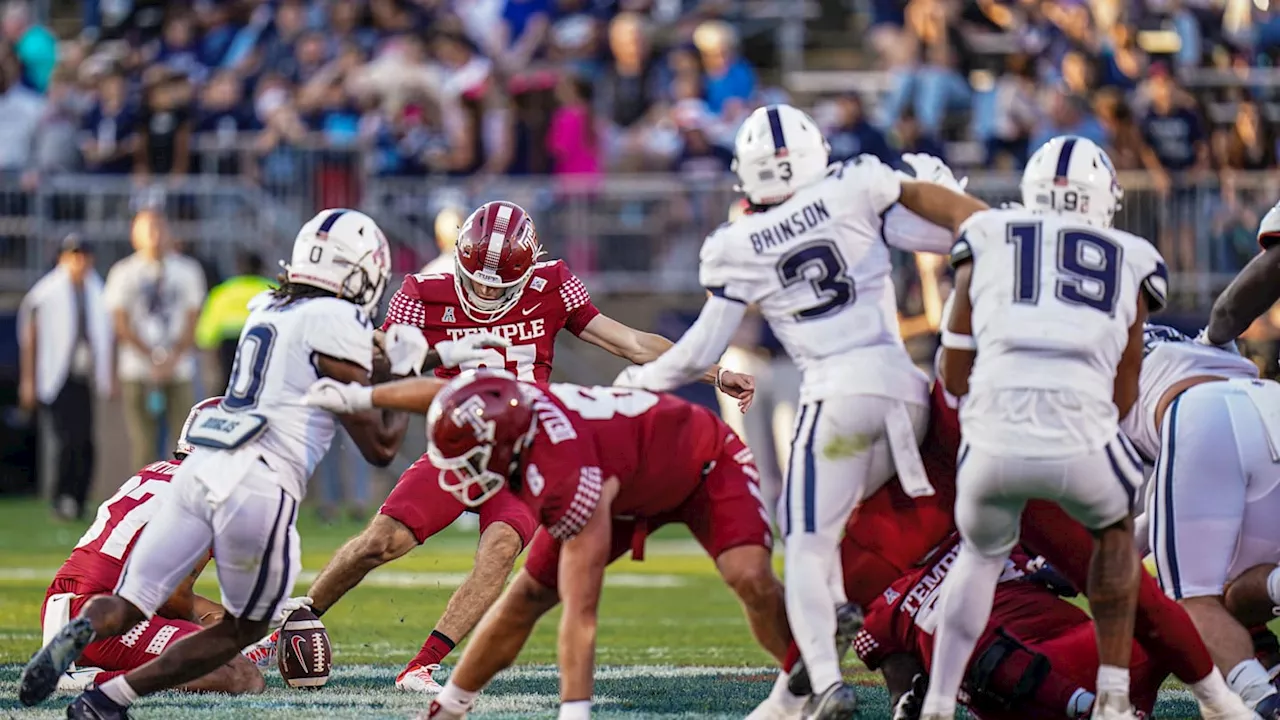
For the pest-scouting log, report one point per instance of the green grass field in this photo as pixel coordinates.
(672, 638)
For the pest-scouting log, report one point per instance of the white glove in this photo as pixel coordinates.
(629, 377)
(931, 169)
(1269, 228)
(289, 606)
(406, 348)
(337, 397)
(469, 348)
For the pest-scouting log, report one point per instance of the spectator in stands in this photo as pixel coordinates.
(699, 158)
(108, 132)
(908, 137)
(934, 87)
(155, 296)
(631, 87)
(222, 126)
(1125, 144)
(729, 82)
(1172, 128)
(447, 223)
(36, 47)
(178, 49)
(165, 125)
(65, 341)
(224, 315)
(289, 23)
(574, 40)
(1249, 144)
(347, 24)
(1067, 115)
(1016, 113)
(852, 135)
(20, 112)
(217, 31)
(55, 140)
(522, 34)
(573, 140)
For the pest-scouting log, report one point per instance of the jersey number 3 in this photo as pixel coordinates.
(819, 263)
(1088, 264)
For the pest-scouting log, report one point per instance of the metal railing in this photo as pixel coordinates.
(622, 234)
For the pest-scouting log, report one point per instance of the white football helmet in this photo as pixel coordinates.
(1071, 174)
(778, 150)
(343, 252)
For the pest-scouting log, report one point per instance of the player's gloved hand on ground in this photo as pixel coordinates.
(338, 397)
(911, 704)
(469, 348)
(406, 349)
(739, 386)
(931, 169)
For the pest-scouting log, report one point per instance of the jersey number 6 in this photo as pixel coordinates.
(820, 264)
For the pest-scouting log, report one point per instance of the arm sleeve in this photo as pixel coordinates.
(348, 336)
(1154, 277)
(579, 310)
(905, 230)
(875, 641)
(405, 309)
(699, 348)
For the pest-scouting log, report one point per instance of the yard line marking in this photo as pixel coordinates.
(399, 579)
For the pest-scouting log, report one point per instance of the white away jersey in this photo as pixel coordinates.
(1053, 299)
(1169, 357)
(274, 368)
(818, 268)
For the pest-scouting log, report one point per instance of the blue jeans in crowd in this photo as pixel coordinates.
(930, 91)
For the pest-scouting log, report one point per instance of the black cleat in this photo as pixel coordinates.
(837, 702)
(849, 620)
(93, 704)
(40, 676)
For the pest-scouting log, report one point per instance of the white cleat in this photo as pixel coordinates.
(263, 653)
(775, 709)
(1230, 707)
(1112, 708)
(417, 679)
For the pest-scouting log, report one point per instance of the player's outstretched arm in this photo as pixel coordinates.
(1250, 294)
(1130, 367)
(940, 206)
(639, 347)
(581, 576)
(378, 433)
(698, 349)
(958, 347)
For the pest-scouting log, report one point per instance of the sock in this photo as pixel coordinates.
(1250, 681)
(119, 691)
(810, 607)
(1212, 691)
(1113, 680)
(783, 697)
(437, 646)
(964, 607)
(1080, 703)
(455, 700)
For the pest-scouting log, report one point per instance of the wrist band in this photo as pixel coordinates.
(719, 371)
(956, 341)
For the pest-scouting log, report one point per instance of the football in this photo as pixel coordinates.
(303, 651)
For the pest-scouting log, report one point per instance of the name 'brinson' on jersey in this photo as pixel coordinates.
(818, 267)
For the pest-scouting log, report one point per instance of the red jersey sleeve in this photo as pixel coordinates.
(578, 308)
(406, 307)
(563, 483)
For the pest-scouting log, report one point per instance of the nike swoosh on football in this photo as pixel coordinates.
(526, 311)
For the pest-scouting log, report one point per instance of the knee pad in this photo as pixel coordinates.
(1007, 672)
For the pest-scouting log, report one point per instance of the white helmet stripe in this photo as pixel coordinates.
(498, 238)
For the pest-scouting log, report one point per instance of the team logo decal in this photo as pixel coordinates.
(537, 284)
(471, 412)
(448, 315)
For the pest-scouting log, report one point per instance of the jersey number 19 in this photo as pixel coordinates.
(1088, 265)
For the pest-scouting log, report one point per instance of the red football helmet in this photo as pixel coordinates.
(494, 258)
(476, 427)
(185, 448)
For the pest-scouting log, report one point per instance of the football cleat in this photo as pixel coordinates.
(849, 619)
(417, 679)
(1110, 708)
(837, 702)
(93, 704)
(263, 653)
(41, 675)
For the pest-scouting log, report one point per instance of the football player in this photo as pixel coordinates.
(1210, 428)
(890, 533)
(600, 468)
(1252, 292)
(1045, 344)
(239, 495)
(498, 286)
(1036, 658)
(813, 255)
(94, 569)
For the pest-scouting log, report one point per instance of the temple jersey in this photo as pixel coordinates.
(818, 267)
(1052, 304)
(1169, 357)
(273, 368)
(657, 446)
(554, 299)
(95, 564)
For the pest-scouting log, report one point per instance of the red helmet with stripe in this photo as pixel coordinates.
(184, 447)
(476, 428)
(494, 258)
